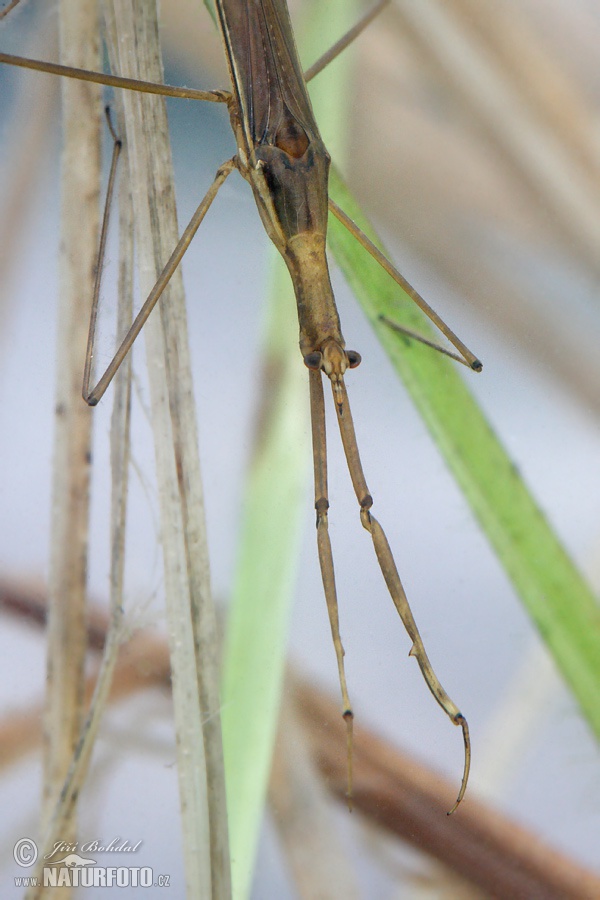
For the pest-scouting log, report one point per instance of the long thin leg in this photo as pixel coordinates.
(7, 9)
(344, 41)
(415, 336)
(466, 357)
(131, 84)
(117, 146)
(92, 397)
(390, 574)
(317, 414)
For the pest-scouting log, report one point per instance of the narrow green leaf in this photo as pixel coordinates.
(209, 4)
(553, 591)
(254, 659)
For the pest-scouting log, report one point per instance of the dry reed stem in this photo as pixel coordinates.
(119, 456)
(67, 640)
(191, 616)
(97, 698)
(70, 503)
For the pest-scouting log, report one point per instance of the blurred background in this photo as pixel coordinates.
(473, 139)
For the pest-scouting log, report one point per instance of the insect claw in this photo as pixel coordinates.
(459, 719)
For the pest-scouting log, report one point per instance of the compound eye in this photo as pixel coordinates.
(354, 358)
(313, 360)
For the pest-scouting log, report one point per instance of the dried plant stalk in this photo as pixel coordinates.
(133, 34)
(79, 240)
(67, 637)
(79, 766)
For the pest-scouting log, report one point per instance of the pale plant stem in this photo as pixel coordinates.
(191, 616)
(70, 503)
(60, 814)
(67, 638)
(79, 765)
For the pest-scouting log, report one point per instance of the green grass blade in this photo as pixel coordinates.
(554, 593)
(211, 9)
(254, 659)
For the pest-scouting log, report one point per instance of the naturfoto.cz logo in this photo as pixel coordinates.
(65, 867)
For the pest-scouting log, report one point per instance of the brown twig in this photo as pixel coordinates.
(391, 788)
(407, 798)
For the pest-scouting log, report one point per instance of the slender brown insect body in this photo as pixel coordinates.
(281, 154)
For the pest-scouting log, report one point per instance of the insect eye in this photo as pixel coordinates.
(354, 358)
(313, 360)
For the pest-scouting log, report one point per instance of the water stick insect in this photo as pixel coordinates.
(282, 156)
